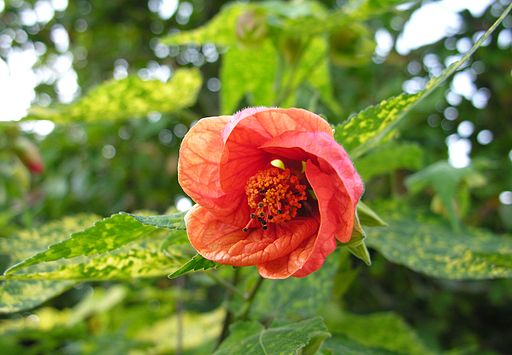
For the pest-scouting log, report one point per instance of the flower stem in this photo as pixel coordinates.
(250, 299)
(230, 317)
(227, 285)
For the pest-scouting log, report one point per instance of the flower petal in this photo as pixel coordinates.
(198, 169)
(336, 216)
(226, 244)
(251, 128)
(336, 219)
(322, 149)
(288, 265)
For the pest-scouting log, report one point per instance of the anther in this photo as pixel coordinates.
(264, 228)
(245, 229)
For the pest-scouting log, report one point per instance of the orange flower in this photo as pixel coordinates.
(273, 189)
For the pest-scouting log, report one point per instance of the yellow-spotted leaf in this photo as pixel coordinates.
(131, 97)
(428, 244)
(20, 295)
(366, 129)
(106, 235)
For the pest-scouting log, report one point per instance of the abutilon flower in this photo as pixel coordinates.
(273, 189)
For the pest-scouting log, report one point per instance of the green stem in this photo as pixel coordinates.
(227, 285)
(250, 299)
(230, 317)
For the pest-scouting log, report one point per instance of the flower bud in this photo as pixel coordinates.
(351, 46)
(251, 27)
(29, 155)
(291, 49)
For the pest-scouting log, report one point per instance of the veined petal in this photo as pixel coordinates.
(324, 151)
(336, 219)
(251, 128)
(288, 265)
(336, 216)
(226, 244)
(198, 169)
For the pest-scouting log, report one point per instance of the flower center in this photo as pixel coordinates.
(274, 196)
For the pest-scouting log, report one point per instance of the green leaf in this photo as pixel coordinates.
(368, 217)
(127, 98)
(366, 129)
(426, 244)
(298, 297)
(138, 259)
(386, 331)
(248, 71)
(352, 11)
(446, 181)
(341, 344)
(194, 264)
(313, 69)
(15, 295)
(389, 158)
(220, 30)
(252, 338)
(357, 246)
(106, 235)
(200, 329)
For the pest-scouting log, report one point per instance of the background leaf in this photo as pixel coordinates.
(388, 158)
(382, 331)
(127, 98)
(252, 338)
(366, 129)
(20, 295)
(298, 297)
(428, 245)
(106, 235)
(220, 30)
(248, 70)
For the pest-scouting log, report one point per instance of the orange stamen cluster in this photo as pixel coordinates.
(274, 196)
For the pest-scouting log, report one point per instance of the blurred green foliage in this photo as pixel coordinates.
(125, 159)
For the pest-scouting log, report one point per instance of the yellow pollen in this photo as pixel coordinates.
(274, 196)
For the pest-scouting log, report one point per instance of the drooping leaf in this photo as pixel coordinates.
(381, 331)
(388, 158)
(447, 183)
(366, 129)
(427, 244)
(298, 297)
(194, 264)
(20, 295)
(127, 98)
(106, 235)
(252, 338)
